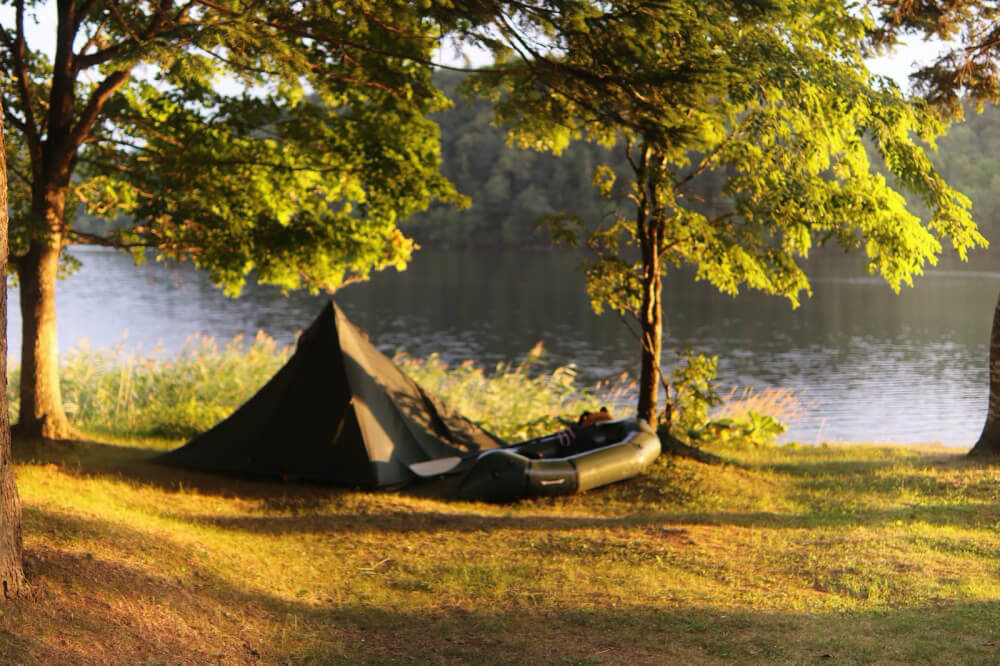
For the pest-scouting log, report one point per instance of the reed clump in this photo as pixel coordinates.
(117, 392)
(782, 404)
(120, 392)
(127, 393)
(517, 401)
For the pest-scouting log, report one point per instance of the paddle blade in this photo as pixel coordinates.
(436, 467)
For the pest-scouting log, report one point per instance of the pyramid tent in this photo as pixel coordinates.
(339, 411)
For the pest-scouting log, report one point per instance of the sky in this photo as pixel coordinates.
(905, 59)
(897, 65)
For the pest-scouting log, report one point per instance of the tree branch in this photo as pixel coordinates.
(85, 238)
(93, 41)
(706, 160)
(155, 29)
(11, 118)
(389, 27)
(100, 96)
(29, 127)
(328, 40)
(81, 13)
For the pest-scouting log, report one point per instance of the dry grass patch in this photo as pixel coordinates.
(856, 554)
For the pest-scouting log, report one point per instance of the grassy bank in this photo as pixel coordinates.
(839, 554)
(855, 553)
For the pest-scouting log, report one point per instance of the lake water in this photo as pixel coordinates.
(870, 365)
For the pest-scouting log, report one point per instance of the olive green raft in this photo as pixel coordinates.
(565, 462)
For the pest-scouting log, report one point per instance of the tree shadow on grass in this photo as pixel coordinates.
(98, 459)
(656, 499)
(806, 468)
(671, 524)
(167, 608)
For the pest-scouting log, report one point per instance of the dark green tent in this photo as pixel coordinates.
(339, 411)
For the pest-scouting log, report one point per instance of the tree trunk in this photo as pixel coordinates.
(12, 578)
(989, 440)
(52, 162)
(42, 413)
(652, 335)
(649, 224)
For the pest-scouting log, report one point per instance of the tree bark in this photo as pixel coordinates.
(989, 440)
(652, 334)
(42, 413)
(12, 580)
(649, 225)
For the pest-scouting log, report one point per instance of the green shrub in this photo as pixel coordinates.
(752, 419)
(693, 393)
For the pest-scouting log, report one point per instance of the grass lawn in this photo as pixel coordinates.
(839, 554)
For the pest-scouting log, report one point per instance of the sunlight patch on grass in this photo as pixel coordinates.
(781, 554)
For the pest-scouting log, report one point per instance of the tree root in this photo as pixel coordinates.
(672, 445)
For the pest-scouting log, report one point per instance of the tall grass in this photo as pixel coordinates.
(515, 400)
(126, 393)
(782, 404)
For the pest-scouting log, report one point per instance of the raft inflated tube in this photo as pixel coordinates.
(504, 475)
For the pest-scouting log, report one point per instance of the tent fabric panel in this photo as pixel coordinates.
(325, 442)
(435, 428)
(232, 444)
(290, 427)
(391, 443)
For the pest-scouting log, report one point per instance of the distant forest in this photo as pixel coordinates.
(968, 157)
(512, 189)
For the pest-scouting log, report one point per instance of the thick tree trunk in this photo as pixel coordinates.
(42, 413)
(12, 581)
(989, 440)
(52, 162)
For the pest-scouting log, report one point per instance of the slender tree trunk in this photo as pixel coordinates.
(652, 335)
(989, 440)
(649, 224)
(12, 580)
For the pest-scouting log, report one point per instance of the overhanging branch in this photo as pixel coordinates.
(97, 100)
(84, 238)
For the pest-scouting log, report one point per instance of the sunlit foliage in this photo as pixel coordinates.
(773, 97)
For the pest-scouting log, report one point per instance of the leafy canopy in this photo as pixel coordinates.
(287, 138)
(770, 98)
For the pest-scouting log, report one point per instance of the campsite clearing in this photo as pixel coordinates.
(849, 553)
